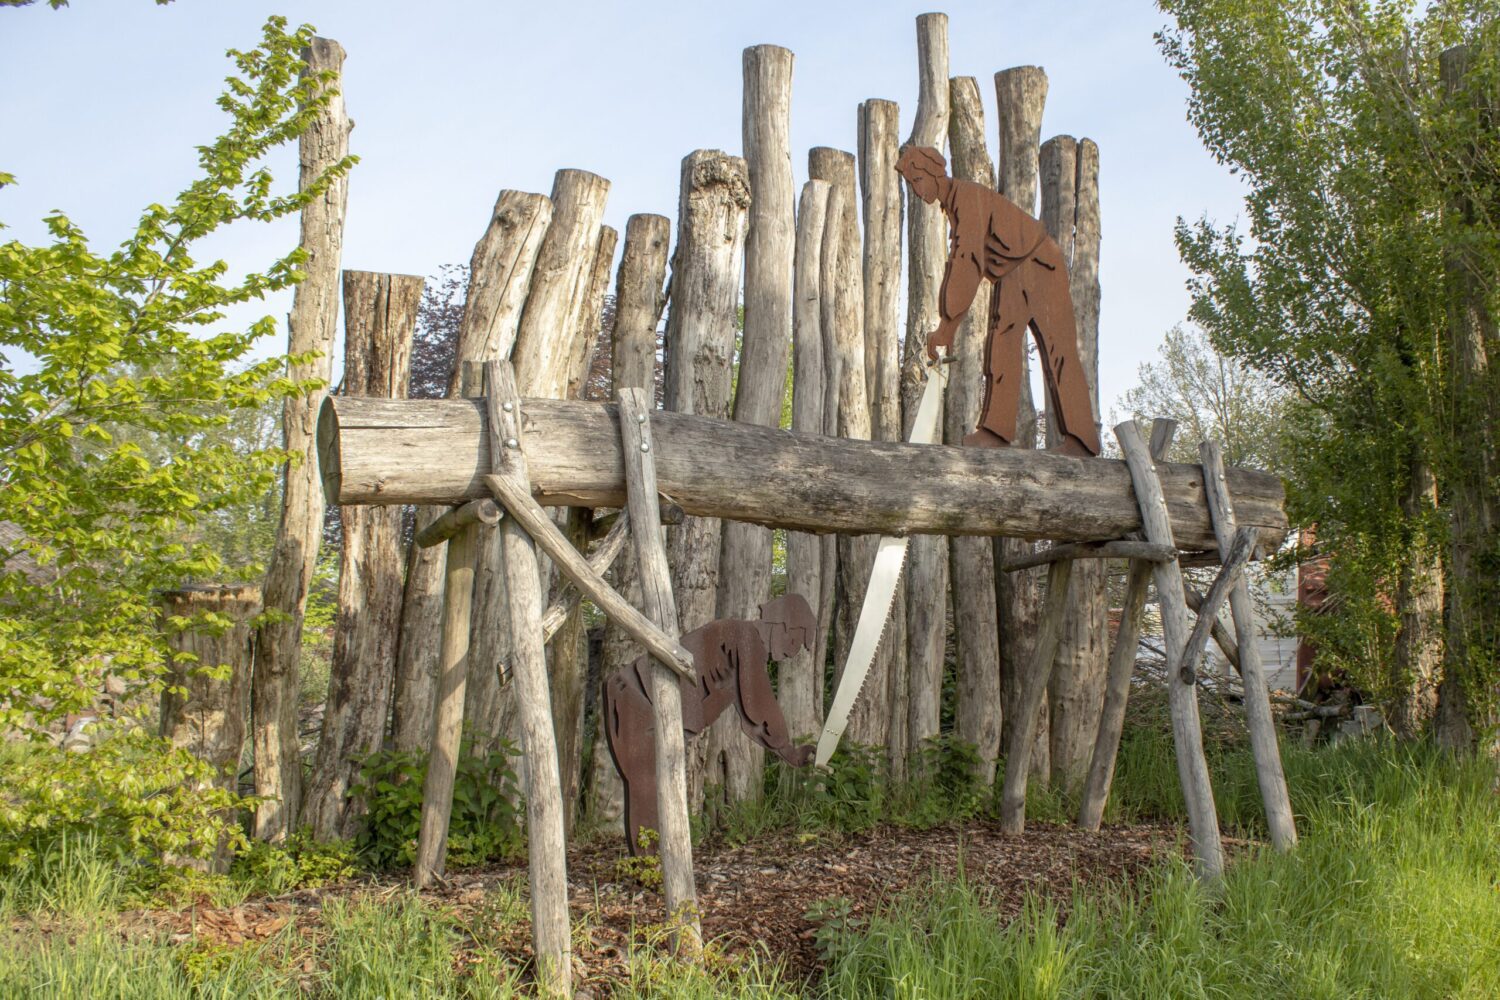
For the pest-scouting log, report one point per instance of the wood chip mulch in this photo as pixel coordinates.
(753, 897)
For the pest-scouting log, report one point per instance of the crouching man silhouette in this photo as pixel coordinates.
(992, 238)
(730, 657)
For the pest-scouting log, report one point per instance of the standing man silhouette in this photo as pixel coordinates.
(992, 238)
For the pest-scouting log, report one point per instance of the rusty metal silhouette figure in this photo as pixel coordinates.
(992, 238)
(730, 656)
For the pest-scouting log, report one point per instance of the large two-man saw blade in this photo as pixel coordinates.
(885, 574)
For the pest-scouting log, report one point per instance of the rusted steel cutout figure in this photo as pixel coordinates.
(992, 238)
(730, 656)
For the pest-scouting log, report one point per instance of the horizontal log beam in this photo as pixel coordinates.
(434, 451)
(1118, 549)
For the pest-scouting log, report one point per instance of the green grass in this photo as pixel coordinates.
(1394, 891)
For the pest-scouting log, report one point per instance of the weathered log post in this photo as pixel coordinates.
(1070, 209)
(1262, 724)
(1182, 690)
(446, 736)
(706, 268)
(1101, 773)
(549, 360)
(800, 689)
(1033, 690)
(978, 713)
(828, 321)
(207, 695)
(869, 723)
(639, 299)
(311, 326)
(380, 316)
(926, 254)
(1020, 94)
(761, 384)
(880, 194)
(499, 276)
(545, 844)
(675, 836)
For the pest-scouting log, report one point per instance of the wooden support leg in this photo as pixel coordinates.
(1263, 745)
(1023, 728)
(552, 940)
(458, 527)
(675, 835)
(1101, 772)
(1187, 732)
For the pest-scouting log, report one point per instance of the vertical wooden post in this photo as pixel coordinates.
(1101, 771)
(380, 315)
(976, 632)
(499, 276)
(869, 723)
(546, 852)
(926, 596)
(761, 385)
(201, 709)
(452, 681)
(1020, 94)
(1070, 209)
(639, 300)
(706, 267)
(1182, 691)
(311, 326)
(880, 192)
(800, 689)
(1028, 706)
(1262, 725)
(666, 693)
(828, 321)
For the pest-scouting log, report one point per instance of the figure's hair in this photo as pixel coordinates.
(923, 160)
(793, 614)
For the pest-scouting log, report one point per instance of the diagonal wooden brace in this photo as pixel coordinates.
(1208, 611)
(516, 498)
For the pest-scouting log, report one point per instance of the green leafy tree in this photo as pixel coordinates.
(119, 387)
(1334, 114)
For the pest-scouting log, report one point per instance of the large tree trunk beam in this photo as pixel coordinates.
(434, 451)
(530, 515)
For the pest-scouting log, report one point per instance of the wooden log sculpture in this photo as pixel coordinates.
(730, 657)
(994, 239)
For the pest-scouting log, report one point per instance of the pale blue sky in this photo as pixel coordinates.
(102, 103)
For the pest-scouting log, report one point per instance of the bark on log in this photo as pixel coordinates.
(880, 193)
(1417, 661)
(545, 845)
(202, 710)
(1101, 773)
(761, 384)
(311, 326)
(800, 679)
(924, 601)
(976, 633)
(869, 722)
(380, 316)
(675, 836)
(1020, 94)
(1258, 717)
(1070, 209)
(706, 269)
(1187, 732)
(499, 276)
(640, 297)
(433, 451)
